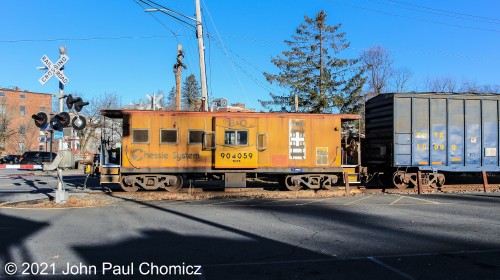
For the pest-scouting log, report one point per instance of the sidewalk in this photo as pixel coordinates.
(41, 185)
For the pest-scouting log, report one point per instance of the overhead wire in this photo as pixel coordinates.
(225, 53)
(86, 39)
(159, 21)
(414, 18)
(162, 10)
(439, 12)
(260, 83)
(445, 11)
(151, 4)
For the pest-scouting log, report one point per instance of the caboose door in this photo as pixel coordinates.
(236, 143)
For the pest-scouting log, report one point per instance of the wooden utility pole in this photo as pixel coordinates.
(178, 76)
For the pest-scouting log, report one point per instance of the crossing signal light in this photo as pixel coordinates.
(40, 119)
(79, 105)
(70, 100)
(75, 101)
(60, 121)
(79, 123)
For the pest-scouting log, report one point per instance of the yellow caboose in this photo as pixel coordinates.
(161, 148)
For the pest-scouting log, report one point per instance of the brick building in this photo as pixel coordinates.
(18, 132)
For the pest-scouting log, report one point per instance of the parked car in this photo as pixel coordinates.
(37, 157)
(10, 159)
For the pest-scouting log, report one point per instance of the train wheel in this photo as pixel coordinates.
(127, 184)
(292, 185)
(329, 182)
(329, 186)
(399, 181)
(438, 181)
(175, 187)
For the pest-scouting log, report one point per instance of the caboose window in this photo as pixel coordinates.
(195, 136)
(236, 138)
(168, 136)
(140, 136)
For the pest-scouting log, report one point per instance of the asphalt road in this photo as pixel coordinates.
(443, 236)
(24, 185)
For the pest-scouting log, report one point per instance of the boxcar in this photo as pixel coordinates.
(431, 133)
(161, 148)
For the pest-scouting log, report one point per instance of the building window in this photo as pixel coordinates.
(236, 138)
(3, 108)
(195, 136)
(22, 130)
(22, 96)
(168, 136)
(22, 147)
(2, 94)
(140, 136)
(22, 108)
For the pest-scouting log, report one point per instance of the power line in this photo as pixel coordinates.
(86, 39)
(445, 11)
(415, 18)
(432, 11)
(188, 60)
(175, 35)
(225, 53)
(170, 13)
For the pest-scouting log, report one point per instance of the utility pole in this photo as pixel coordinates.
(201, 52)
(178, 76)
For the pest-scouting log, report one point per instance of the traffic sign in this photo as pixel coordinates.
(54, 69)
(58, 135)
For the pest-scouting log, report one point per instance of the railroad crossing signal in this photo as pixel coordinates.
(40, 119)
(76, 101)
(54, 69)
(61, 121)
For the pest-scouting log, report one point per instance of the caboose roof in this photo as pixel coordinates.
(118, 114)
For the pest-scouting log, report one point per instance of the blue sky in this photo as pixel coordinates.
(114, 46)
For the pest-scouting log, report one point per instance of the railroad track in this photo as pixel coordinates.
(264, 192)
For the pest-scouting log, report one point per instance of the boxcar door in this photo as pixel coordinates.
(236, 143)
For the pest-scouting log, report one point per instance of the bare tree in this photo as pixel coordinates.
(5, 120)
(470, 86)
(401, 77)
(443, 84)
(96, 124)
(378, 63)
(23, 138)
(490, 89)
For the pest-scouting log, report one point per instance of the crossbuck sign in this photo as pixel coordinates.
(54, 69)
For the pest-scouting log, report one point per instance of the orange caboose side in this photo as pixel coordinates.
(160, 148)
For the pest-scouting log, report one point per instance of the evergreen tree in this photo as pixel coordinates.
(170, 100)
(191, 93)
(323, 83)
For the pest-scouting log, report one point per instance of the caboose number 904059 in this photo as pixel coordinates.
(162, 148)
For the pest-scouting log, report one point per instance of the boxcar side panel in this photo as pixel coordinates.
(456, 132)
(472, 132)
(420, 132)
(438, 143)
(402, 131)
(490, 132)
